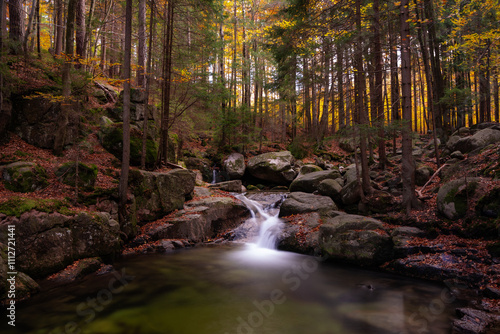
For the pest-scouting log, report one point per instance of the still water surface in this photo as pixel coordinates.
(237, 289)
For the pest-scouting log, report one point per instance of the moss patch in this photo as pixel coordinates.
(112, 139)
(87, 175)
(17, 206)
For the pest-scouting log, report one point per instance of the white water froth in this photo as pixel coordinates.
(270, 224)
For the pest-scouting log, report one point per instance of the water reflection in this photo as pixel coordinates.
(239, 289)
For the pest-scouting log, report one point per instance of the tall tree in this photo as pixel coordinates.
(80, 30)
(16, 26)
(141, 39)
(123, 186)
(408, 165)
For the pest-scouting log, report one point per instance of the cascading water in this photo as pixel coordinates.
(267, 220)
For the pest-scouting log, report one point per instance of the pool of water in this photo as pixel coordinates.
(236, 289)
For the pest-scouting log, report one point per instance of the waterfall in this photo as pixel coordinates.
(268, 221)
(214, 176)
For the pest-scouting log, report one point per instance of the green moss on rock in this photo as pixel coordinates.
(112, 139)
(24, 177)
(17, 206)
(87, 175)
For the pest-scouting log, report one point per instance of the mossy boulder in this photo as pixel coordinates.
(274, 167)
(309, 182)
(235, 166)
(355, 239)
(51, 241)
(489, 204)
(480, 139)
(452, 198)
(111, 139)
(422, 175)
(87, 175)
(306, 169)
(23, 176)
(157, 194)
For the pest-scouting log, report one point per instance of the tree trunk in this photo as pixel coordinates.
(148, 85)
(123, 186)
(59, 27)
(360, 83)
(408, 165)
(395, 99)
(340, 86)
(16, 26)
(167, 75)
(29, 28)
(141, 40)
(80, 31)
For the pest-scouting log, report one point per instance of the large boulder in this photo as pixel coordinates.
(87, 175)
(480, 139)
(452, 198)
(300, 202)
(111, 138)
(330, 188)
(274, 167)
(23, 176)
(350, 193)
(422, 175)
(48, 242)
(355, 239)
(201, 220)
(309, 182)
(203, 165)
(42, 123)
(300, 233)
(489, 204)
(160, 193)
(235, 166)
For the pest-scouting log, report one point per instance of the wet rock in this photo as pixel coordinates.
(355, 239)
(309, 182)
(400, 238)
(438, 267)
(275, 167)
(23, 176)
(77, 270)
(234, 166)
(300, 202)
(201, 220)
(473, 321)
(230, 186)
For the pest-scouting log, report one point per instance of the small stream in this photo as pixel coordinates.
(246, 287)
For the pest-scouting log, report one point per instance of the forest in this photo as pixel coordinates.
(135, 122)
